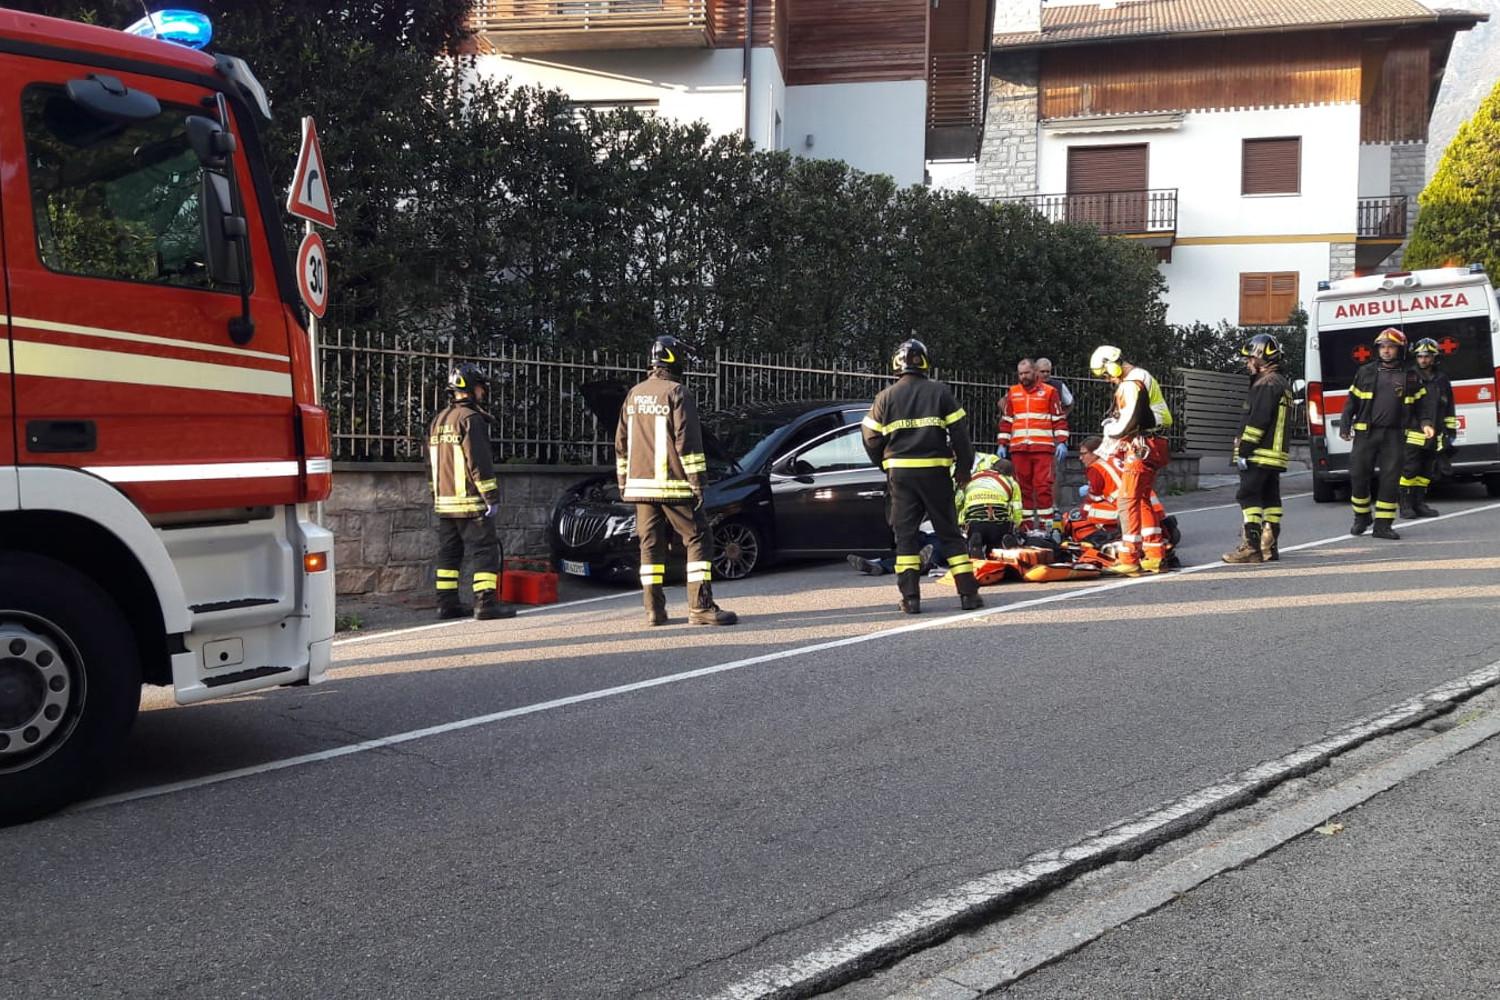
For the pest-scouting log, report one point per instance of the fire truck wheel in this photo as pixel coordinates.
(70, 685)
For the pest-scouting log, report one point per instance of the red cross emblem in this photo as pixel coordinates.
(1361, 354)
(1448, 344)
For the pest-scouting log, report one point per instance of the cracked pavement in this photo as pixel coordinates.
(669, 841)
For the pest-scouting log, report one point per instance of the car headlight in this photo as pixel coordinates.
(619, 525)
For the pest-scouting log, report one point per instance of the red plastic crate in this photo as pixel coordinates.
(524, 586)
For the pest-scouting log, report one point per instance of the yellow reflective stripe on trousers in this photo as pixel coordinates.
(905, 563)
(699, 572)
(485, 581)
(651, 573)
(1252, 515)
(1273, 515)
(960, 564)
(917, 463)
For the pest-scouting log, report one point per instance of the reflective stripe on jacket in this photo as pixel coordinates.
(1263, 439)
(917, 423)
(1420, 407)
(990, 496)
(460, 461)
(1032, 419)
(659, 443)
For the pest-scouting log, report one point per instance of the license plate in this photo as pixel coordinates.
(575, 568)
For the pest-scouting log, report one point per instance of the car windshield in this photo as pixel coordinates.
(739, 440)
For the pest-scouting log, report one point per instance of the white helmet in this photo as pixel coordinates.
(1106, 361)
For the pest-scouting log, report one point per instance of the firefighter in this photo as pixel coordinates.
(919, 434)
(465, 494)
(1387, 400)
(989, 507)
(660, 464)
(1423, 454)
(1135, 431)
(1261, 453)
(1033, 434)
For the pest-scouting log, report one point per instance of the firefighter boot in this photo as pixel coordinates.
(448, 606)
(970, 602)
(656, 603)
(1408, 504)
(1419, 502)
(705, 611)
(1270, 535)
(1361, 524)
(1383, 529)
(909, 582)
(487, 609)
(1248, 550)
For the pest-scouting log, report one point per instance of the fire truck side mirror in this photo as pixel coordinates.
(110, 99)
(221, 230)
(211, 144)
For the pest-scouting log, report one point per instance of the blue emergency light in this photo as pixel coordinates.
(185, 27)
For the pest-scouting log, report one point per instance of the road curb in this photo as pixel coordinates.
(983, 898)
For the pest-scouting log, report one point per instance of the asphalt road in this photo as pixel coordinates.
(661, 812)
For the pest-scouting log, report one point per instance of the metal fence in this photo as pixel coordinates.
(382, 388)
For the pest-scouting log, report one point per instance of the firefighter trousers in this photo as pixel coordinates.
(1379, 448)
(655, 523)
(476, 536)
(915, 495)
(1259, 495)
(1142, 528)
(1034, 472)
(1420, 463)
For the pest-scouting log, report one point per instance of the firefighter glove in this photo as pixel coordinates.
(1241, 463)
(489, 510)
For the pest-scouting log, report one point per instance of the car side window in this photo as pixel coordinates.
(810, 431)
(840, 452)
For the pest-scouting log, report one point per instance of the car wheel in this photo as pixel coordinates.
(70, 685)
(1324, 491)
(738, 549)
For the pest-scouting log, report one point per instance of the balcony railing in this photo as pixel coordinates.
(955, 90)
(1382, 218)
(1114, 213)
(555, 25)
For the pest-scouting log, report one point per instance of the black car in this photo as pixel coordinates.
(790, 480)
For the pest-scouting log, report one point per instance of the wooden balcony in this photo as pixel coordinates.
(1150, 216)
(529, 26)
(955, 105)
(1381, 229)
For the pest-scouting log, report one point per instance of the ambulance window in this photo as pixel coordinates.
(1465, 343)
(114, 200)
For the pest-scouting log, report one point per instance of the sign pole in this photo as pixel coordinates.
(312, 338)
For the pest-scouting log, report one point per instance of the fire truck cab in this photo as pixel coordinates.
(1454, 306)
(165, 451)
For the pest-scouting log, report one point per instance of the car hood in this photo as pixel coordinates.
(604, 399)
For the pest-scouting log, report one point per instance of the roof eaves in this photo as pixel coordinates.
(1465, 19)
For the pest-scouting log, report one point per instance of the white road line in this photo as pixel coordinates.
(654, 682)
(392, 633)
(1226, 506)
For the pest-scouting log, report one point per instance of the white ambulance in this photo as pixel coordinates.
(1456, 307)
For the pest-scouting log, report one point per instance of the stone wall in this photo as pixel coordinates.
(1408, 177)
(1007, 166)
(1340, 264)
(381, 517)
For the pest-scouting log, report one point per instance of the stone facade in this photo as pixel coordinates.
(1408, 177)
(1007, 165)
(1340, 260)
(385, 531)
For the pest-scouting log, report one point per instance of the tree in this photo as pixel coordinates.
(1459, 218)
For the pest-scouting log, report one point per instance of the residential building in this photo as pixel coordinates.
(886, 85)
(1259, 146)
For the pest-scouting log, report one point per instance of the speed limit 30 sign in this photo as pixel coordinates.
(312, 274)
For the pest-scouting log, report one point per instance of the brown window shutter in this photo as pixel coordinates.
(1267, 297)
(1283, 298)
(1094, 169)
(1271, 166)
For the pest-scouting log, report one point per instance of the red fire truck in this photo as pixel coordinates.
(165, 446)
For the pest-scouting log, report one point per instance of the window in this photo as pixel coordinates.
(843, 451)
(1267, 297)
(1464, 341)
(111, 200)
(1271, 166)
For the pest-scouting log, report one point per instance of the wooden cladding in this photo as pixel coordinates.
(1271, 166)
(1199, 74)
(1267, 297)
(1108, 168)
(728, 19)
(1398, 93)
(846, 41)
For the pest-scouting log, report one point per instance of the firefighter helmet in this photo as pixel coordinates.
(1264, 347)
(1106, 361)
(672, 354)
(465, 376)
(1391, 335)
(911, 356)
(1426, 346)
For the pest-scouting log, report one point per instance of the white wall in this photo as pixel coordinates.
(1375, 171)
(952, 175)
(767, 98)
(687, 84)
(1203, 282)
(875, 127)
(1201, 158)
